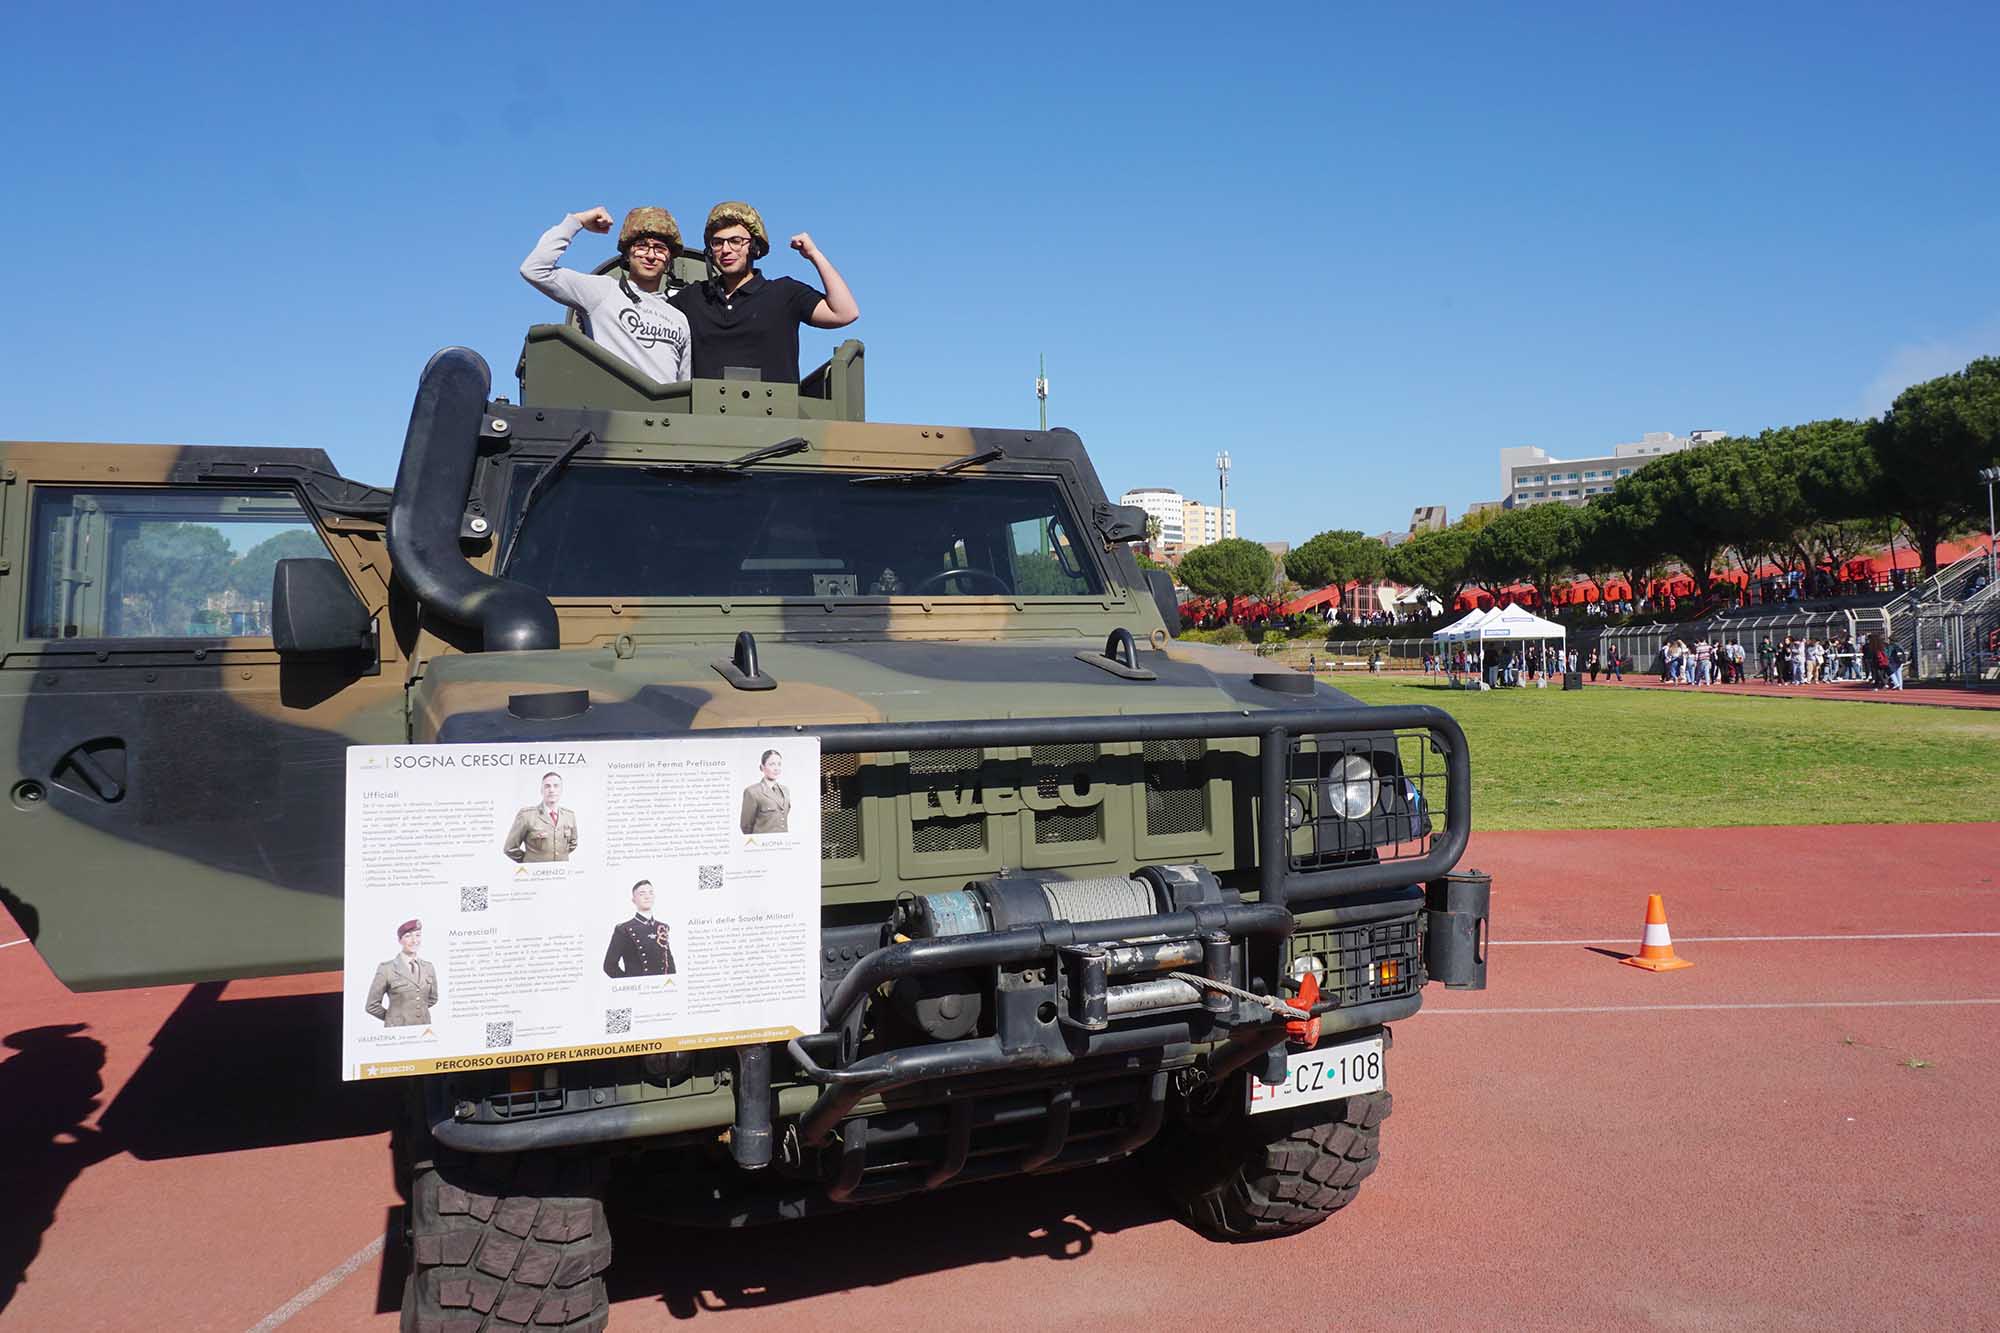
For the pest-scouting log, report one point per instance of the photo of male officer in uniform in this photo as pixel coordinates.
(543, 832)
(639, 947)
(767, 806)
(405, 987)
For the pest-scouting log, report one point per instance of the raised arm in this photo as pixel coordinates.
(838, 310)
(542, 268)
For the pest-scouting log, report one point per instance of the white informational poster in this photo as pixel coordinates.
(538, 902)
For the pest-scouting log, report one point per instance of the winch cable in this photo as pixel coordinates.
(1271, 1002)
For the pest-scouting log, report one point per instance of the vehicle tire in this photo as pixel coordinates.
(507, 1242)
(1236, 1176)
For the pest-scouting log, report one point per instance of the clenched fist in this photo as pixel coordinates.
(596, 219)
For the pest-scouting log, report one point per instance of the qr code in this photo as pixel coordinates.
(472, 897)
(708, 877)
(617, 1022)
(499, 1034)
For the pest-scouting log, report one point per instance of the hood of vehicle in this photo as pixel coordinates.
(672, 690)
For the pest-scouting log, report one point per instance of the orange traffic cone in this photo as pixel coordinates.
(1656, 950)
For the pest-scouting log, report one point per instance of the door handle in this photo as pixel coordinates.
(88, 770)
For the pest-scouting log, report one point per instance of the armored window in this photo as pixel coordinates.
(160, 563)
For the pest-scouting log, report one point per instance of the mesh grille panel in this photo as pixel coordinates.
(932, 769)
(1176, 795)
(1077, 826)
(840, 807)
(949, 835)
(1055, 769)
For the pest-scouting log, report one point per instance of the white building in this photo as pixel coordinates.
(1184, 523)
(1530, 476)
(1165, 507)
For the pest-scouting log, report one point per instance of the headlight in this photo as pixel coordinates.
(1351, 788)
(1309, 964)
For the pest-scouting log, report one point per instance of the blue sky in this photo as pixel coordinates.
(1360, 249)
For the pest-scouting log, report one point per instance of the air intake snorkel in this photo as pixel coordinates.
(429, 501)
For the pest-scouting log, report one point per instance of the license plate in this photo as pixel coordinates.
(1321, 1076)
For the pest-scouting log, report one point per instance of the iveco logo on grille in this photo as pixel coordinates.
(957, 802)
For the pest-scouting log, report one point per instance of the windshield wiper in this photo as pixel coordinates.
(782, 449)
(944, 472)
(538, 486)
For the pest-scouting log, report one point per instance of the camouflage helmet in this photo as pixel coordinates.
(649, 222)
(735, 210)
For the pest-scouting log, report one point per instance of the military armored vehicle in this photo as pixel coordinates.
(1088, 890)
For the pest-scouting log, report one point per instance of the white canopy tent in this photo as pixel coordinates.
(1462, 629)
(1516, 623)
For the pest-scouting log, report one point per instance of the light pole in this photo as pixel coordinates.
(1990, 475)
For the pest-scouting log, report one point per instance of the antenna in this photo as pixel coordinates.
(1222, 510)
(1042, 390)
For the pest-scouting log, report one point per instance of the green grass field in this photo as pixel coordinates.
(1631, 758)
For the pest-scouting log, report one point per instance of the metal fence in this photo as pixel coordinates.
(1959, 645)
(1642, 645)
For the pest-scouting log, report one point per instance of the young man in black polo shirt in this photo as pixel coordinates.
(739, 318)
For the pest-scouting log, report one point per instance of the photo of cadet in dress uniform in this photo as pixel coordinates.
(638, 947)
(545, 831)
(767, 806)
(405, 987)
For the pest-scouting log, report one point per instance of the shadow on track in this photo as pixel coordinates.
(49, 1088)
(694, 1271)
(224, 1075)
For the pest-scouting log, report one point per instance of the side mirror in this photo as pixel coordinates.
(1120, 523)
(313, 611)
(1161, 582)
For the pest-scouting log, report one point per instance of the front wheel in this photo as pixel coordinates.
(507, 1242)
(1236, 1176)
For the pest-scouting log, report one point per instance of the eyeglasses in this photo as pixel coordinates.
(651, 248)
(729, 242)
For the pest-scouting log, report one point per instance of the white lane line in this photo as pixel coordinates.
(1776, 1004)
(11, 943)
(1758, 939)
(321, 1287)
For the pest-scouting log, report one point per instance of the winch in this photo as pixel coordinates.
(949, 1005)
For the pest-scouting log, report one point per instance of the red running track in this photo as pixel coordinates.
(1795, 1132)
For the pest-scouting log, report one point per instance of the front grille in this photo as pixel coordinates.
(1054, 770)
(1348, 954)
(840, 807)
(930, 772)
(1176, 794)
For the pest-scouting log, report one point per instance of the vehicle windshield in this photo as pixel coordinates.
(601, 531)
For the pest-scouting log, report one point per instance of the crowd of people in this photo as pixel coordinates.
(1799, 660)
(1518, 664)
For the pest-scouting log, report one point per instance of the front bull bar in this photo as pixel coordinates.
(1281, 891)
(1280, 887)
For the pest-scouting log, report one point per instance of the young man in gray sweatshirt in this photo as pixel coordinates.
(627, 314)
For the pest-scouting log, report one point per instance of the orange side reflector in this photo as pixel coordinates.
(520, 1080)
(1390, 970)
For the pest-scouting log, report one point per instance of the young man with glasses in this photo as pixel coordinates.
(744, 321)
(626, 313)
